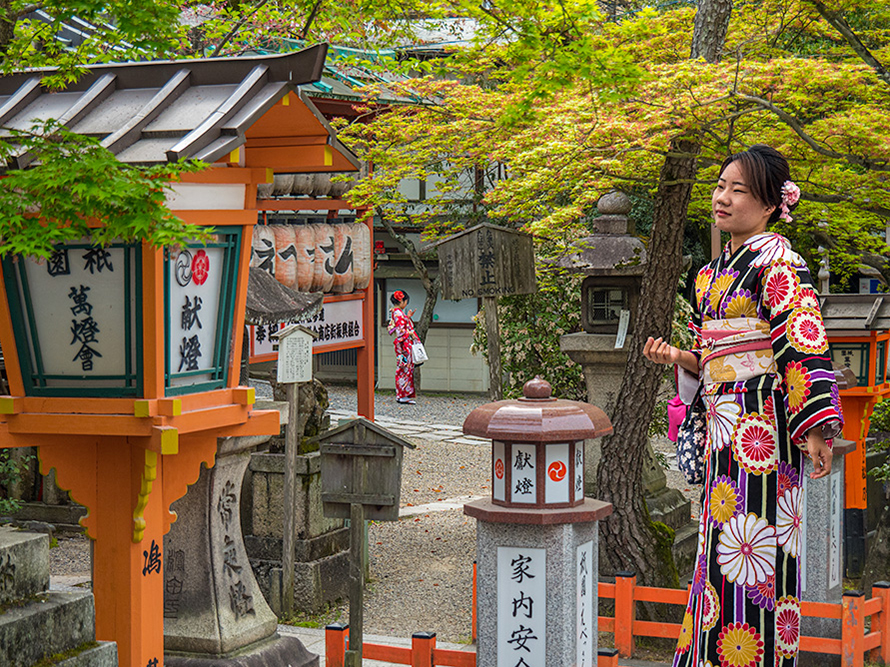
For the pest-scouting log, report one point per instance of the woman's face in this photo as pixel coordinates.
(735, 209)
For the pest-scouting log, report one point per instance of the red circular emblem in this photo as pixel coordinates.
(557, 471)
(200, 267)
(499, 468)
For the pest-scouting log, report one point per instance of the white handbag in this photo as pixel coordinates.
(418, 353)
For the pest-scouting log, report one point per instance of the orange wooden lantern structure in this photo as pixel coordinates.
(858, 327)
(123, 361)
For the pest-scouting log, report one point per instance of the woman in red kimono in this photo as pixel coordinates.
(401, 326)
(771, 401)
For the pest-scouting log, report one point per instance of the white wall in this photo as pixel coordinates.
(452, 367)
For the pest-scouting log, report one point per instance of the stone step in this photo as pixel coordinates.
(49, 623)
(24, 564)
(103, 655)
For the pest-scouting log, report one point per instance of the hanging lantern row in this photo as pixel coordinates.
(330, 258)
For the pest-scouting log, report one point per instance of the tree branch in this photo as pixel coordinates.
(236, 28)
(430, 285)
(310, 19)
(838, 23)
(797, 126)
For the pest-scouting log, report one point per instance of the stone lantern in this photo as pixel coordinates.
(858, 327)
(537, 537)
(614, 261)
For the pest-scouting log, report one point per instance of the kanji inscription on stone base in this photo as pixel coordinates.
(522, 606)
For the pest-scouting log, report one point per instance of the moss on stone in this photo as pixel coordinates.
(66, 655)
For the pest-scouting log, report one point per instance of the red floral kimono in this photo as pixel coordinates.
(775, 384)
(402, 327)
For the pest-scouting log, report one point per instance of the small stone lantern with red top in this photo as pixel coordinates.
(536, 537)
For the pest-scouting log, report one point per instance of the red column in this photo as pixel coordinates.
(365, 392)
(127, 575)
(853, 629)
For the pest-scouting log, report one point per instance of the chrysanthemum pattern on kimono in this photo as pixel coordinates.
(744, 609)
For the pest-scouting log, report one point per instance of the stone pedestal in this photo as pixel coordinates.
(214, 612)
(321, 546)
(603, 368)
(537, 585)
(822, 556)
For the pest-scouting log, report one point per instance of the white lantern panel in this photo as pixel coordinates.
(557, 480)
(579, 469)
(80, 319)
(498, 472)
(195, 283)
(524, 476)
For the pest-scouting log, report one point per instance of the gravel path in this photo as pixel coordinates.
(421, 566)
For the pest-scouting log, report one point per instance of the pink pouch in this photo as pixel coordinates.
(676, 414)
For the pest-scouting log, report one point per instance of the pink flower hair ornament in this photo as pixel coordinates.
(790, 196)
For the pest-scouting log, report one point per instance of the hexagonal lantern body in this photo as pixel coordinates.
(537, 459)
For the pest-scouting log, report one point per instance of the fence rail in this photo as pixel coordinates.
(854, 645)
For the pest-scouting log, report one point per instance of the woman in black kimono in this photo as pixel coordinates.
(761, 352)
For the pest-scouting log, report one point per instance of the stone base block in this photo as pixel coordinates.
(61, 517)
(560, 603)
(269, 547)
(684, 547)
(317, 583)
(103, 655)
(276, 651)
(24, 564)
(51, 623)
(670, 507)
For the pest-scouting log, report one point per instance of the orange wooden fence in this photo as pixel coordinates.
(854, 645)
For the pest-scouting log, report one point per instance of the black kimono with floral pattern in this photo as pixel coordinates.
(745, 604)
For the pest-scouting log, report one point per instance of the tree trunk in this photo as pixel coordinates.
(630, 540)
(711, 24)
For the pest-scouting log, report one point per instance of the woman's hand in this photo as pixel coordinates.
(819, 453)
(410, 313)
(661, 352)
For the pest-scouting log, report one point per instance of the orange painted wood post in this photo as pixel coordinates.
(625, 613)
(607, 657)
(853, 630)
(128, 570)
(365, 355)
(335, 637)
(475, 591)
(881, 622)
(422, 646)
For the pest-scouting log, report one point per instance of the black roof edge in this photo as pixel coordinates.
(297, 67)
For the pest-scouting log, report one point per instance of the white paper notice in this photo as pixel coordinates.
(522, 607)
(623, 322)
(295, 358)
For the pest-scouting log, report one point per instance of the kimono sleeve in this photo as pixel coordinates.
(800, 347)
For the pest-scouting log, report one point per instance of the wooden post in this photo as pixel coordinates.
(291, 448)
(422, 646)
(356, 583)
(881, 622)
(853, 629)
(335, 637)
(492, 331)
(624, 613)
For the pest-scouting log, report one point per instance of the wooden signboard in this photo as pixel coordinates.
(487, 261)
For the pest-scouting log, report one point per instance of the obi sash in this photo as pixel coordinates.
(735, 350)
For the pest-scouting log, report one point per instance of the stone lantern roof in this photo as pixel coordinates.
(610, 250)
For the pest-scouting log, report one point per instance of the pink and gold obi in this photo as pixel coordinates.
(735, 350)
